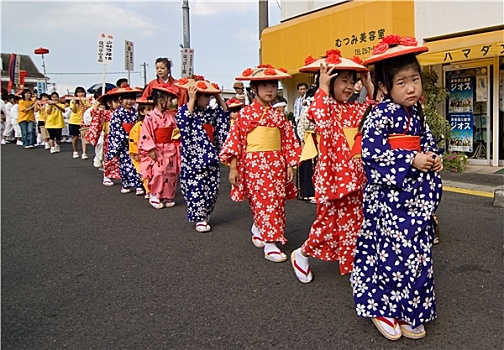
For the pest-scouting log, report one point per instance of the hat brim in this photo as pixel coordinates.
(395, 51)
(258, 75)
(210, 90)
(122, 91)
(167, 91)
(345, 64)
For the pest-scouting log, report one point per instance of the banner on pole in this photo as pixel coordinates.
(17, 68)
(105, 48)
(187, 63)
(128, 55)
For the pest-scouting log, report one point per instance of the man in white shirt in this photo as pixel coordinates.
(298, 105)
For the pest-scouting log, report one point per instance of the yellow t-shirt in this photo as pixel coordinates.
(42, 115)
(55, 120)
(23, 115)
(76, 118)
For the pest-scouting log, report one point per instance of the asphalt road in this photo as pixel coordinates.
(86, 267)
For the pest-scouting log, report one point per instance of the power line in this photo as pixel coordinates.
(91, 73)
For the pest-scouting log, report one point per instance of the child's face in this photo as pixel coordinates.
(81, 93)
(407, 87)
(162, 70)
(203, 100)
(266, 92)
(233, 115)
(344, 86)
(147, 109)
(128, 102)
(113, 104)
(55, 98)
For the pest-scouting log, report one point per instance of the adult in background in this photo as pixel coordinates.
(298, 107)
(26, 118)
(164, 78)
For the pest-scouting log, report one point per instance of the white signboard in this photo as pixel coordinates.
(105, 48)
(128, 55)
(17, 69)
(187, 63)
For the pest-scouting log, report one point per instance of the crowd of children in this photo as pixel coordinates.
(376, 177)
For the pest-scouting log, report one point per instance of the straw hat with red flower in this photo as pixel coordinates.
(264, 72)
(144, 101)
(202, 85)
(395, 45)
(169, 89)
(234, 102)
(333, 59)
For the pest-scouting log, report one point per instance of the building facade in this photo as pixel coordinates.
(466, 49)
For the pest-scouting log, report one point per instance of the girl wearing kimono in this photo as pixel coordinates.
(338, 179)
(121, 122)
(159, 148)
(144, 107)
(392, 277)
(101, 113)
(262, 150)
(203, 131)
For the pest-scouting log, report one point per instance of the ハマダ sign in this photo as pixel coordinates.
(187, 63)
(105, 48)
(128, 55)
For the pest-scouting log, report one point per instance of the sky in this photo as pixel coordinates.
(223, 34)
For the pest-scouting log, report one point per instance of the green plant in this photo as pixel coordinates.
(290, 116)
(438, 124)
(454, 161)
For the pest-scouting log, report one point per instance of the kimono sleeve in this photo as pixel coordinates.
(290, 145)
(96, 126)
(222, 121)
(146, 143)
(133, 139)
(320, 111)
(233, 146)
(116, 136)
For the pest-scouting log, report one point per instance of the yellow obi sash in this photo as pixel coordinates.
(350, 135)
(264, 138)
(106, 127)
(310, 150)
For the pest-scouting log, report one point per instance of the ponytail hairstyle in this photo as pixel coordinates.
(386, 70)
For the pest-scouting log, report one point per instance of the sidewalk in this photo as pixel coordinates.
(475, 177)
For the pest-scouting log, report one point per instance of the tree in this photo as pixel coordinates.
(438, 124)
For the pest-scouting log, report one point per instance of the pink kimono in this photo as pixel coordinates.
(156, 133)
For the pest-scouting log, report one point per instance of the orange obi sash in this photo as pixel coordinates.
(106, 127)
(163, 135)
(396, 141)
(127, 127)
(210, 131)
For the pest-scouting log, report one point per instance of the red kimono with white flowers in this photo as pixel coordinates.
(338, 182)
(263, 173)
(98, 119)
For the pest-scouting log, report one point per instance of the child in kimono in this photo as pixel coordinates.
(262, 150)
(123, 119)
(101, 113)
(392, 277)
(144, 107)
(159, 149)
(338, 179)
(203, 132)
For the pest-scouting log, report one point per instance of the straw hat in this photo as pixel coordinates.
(333, 58)
(144, 101)
(234, 102)
(169, 89)
(264, 72)
(238, 84)
(123, 91)
(202, 85)
(395, 45)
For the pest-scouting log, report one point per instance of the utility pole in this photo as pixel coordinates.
(263, 23)
(144, 65)
(185, 18)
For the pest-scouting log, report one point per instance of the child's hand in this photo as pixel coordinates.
(192, 92)
(423, 162)
(152, 154)
(135, 157)
(438, 162)
(290, 174)
(367, 83)
(234, 178)
(325, 77)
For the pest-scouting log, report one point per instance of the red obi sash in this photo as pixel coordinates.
(210, 131)
(163, 135)
(127, 127)
(407, 142)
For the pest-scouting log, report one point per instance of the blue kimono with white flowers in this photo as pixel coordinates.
(200, 171)
(118, 146)
(392, 274)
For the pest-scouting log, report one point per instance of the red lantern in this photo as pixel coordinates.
(41, 51)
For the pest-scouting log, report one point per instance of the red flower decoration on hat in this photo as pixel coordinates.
(380, 48)
(308, 60)
(201, 85)
(183, 81)
(265, 66)
(281, 69)
(112, 90)
(233, 101)
(331, 52)
(392, 39)
(408, 41)
(198, 77)
(247, 72)
(215, 86)
(333, 59)
(357, 60)
(270, 71)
